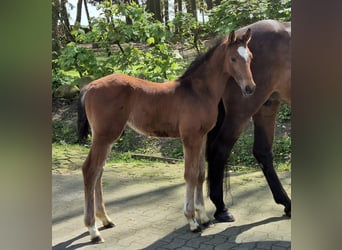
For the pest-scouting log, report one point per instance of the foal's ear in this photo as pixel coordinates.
(232, 37)
(247, 36)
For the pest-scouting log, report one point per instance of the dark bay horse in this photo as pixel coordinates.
(185, 108)
(271, 68)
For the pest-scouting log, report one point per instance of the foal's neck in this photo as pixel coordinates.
(210, 77)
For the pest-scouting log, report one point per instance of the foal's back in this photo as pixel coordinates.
(156, 109)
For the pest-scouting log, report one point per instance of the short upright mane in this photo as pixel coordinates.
(201, 58)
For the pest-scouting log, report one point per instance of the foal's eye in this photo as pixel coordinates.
(233, 59)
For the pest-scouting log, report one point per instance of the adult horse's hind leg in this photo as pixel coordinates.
(199, 201)
(264, 125)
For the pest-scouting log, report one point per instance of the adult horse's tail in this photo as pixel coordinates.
(82, 120)
(217, 155)
(214, 173)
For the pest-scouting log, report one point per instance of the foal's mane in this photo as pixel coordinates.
(201, 58)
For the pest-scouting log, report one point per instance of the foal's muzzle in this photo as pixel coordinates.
(249, 89)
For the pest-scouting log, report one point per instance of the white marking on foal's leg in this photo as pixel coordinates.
(194, 226)
(243, 52)
(202, 214)
(95, 234)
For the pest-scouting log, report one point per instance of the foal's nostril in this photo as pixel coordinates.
(249, 90)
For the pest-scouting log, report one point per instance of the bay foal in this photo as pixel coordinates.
(185, 108)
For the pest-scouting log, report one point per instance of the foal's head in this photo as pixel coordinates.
(237, 61)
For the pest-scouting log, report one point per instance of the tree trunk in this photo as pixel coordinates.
(153, 6)
(56, 45)
(180, 7)
(79, 12)
(65, 21)
(87, 12)
(209, 4)
(217, 2)
(166, 12)
(193, 7)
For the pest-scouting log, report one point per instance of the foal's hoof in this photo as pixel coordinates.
(197, 230)
(207, 224)
(97, 240)
(224, 216)
(109, 225)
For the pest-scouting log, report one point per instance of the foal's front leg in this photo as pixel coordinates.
(191, 173)
(199, 201)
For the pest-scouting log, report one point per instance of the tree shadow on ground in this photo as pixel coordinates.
(183, 239)
(225, 239)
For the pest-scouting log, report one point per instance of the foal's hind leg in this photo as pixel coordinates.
(264, 125)
(100, 207)
(199, 201)
(92, 170)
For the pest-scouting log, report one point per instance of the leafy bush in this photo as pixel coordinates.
(233, 14)
(284, 114)
(64, 132)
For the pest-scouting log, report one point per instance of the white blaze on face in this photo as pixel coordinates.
(243, 52)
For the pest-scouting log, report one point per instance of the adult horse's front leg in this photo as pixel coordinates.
(92, 169)
(192, 149)
(264, 125)
(219, 145)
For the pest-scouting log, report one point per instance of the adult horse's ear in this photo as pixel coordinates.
(247, 36)
(232, 37)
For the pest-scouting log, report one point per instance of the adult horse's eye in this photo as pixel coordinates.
(233, 59)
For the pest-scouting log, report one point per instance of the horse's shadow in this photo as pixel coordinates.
(182, 237)
(225, 239)
(68, 244)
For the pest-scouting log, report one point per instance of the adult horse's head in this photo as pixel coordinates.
(238, 60)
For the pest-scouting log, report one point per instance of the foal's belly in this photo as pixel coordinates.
(154, 128)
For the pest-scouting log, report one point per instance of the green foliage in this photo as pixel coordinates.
(233, 14)
(284, 114)
(60, 78)
(282, 149)
(79, 58)
(241, 153)
(157, 61)
(188, 31)
(63, 132)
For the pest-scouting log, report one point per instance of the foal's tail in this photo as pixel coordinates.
(82, 120)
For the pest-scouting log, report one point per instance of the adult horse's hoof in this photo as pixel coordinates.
(224, 216)
(97, 240)
(287, 211)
